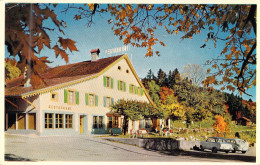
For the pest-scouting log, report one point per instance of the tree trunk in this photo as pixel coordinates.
(125, 125)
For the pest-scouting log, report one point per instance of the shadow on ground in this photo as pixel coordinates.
(210, 155)
(12, 157)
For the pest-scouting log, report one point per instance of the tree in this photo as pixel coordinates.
(136, 24)
(195, 73)
(153, 90)
(161, 78)
(11, 70)
(134, 110)
(26, 36)
(202, 102)
(220, 125)
(149, 77)
(170, 105)
(231, 24)
(177, 76)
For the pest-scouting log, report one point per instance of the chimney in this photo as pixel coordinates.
(28, 82)
(95, 54)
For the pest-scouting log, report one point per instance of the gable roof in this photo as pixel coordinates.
(65, 75)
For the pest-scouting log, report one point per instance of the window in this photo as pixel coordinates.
(69, 121)
(71, 97)
(139, 91)
(108, 101)
(91, 99)
(121, 85)
(119, 67)
(95, 122)
(108, 82)
(131, 88)
(59, 120)
(100, 123)
(48, 120)
(113, 122)
(147, 123)
(54, 96)
(127, 71)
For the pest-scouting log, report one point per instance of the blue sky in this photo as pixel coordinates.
(177, 53)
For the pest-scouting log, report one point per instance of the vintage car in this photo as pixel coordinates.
(239, 145)
(216, 144)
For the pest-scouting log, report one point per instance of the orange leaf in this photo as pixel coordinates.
(61, 52)
(68, 43)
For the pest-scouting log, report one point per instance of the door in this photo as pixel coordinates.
(81, 123)
(31, 121)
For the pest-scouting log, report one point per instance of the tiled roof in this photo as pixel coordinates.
(61, 74)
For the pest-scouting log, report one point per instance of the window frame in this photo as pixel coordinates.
(69, 121)
(59, 121)
(94, 100)
(108, 104)
(114, 122)
(95, 122)
(121, 86)
(132, 86)
(73, 96)
(56, 98)
(47, 118)
(108, 82)
(100, 122)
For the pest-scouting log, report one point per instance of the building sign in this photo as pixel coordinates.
(59, 107)
(117, 50)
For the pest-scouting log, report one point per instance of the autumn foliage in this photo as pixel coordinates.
(164, 93)
(220, 125)
(26, 35)
(235, 25)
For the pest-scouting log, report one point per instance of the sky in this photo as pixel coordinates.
(177, 53)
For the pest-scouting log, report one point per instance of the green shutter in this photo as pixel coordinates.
(112, 101)
(135, 90)
(104, 81)
(96, 100)
(112, 83)
(130, 91)
(118, 84)
(65, 96)
(77, 97)
(104, 101)
(142, 91)
(124, 86)
(86, 98)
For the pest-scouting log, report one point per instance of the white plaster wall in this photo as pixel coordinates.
(96, 87)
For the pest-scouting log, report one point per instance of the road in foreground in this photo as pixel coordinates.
(90, 148)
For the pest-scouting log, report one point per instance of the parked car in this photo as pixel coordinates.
(216, 144)
(239, 145)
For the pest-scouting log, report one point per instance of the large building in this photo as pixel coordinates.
(74, 99)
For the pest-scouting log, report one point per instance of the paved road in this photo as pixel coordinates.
(90, 148)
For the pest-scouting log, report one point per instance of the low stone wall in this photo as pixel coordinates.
(159, 144)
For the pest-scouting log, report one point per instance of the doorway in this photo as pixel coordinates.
(81, 124)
